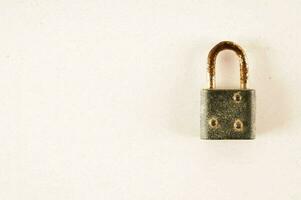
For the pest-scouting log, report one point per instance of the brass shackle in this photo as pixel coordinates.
(227, 45)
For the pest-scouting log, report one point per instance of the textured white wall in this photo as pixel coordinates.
(100, 100)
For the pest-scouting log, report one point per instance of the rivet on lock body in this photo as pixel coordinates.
(227, 113)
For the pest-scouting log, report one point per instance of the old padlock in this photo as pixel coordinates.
(227, 113)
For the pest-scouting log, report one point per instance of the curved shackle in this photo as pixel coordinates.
(227, 45)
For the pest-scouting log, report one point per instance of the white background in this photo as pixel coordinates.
(101, 100)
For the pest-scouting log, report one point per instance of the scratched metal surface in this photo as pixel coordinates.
(220, 105)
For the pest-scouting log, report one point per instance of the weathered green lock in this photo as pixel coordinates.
(227, 113)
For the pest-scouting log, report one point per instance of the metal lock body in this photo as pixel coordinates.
(227, 113)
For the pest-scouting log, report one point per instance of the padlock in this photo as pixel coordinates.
(227, 113)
